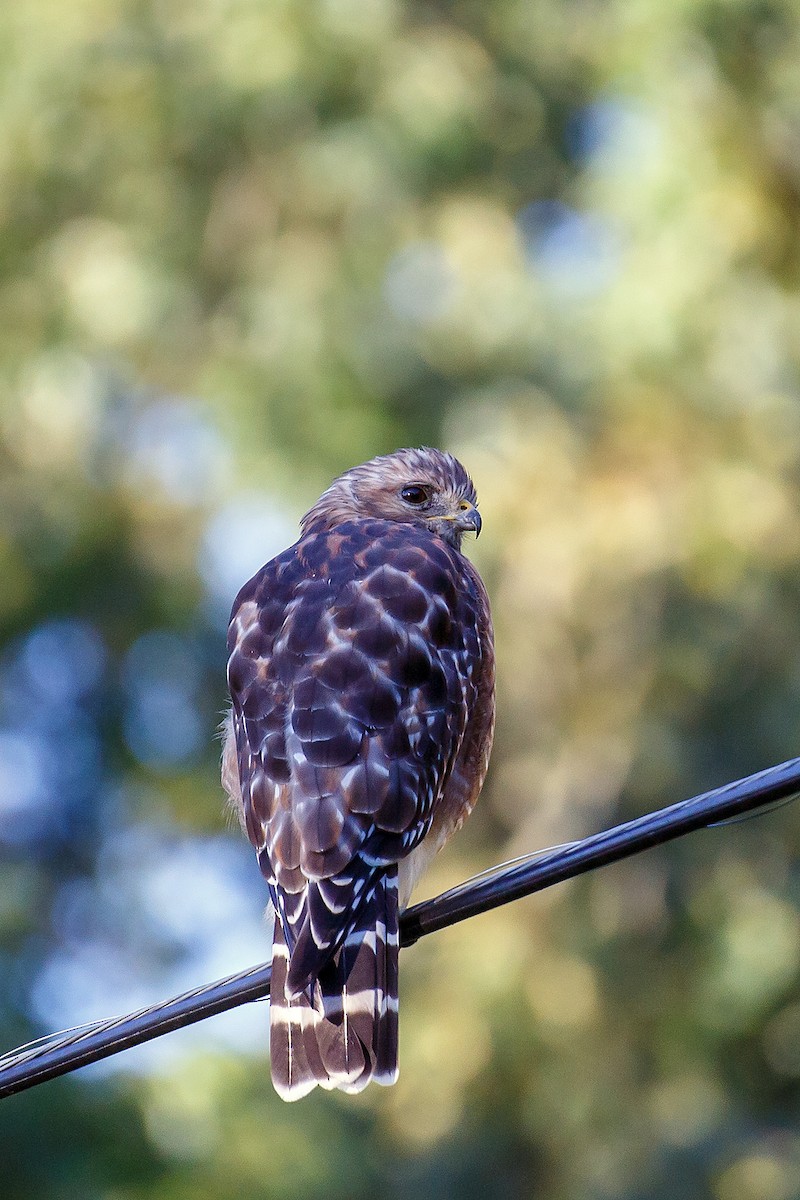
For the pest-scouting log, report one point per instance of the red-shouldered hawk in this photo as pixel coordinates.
(361, 672)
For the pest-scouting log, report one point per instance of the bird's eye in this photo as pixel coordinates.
(415, 494)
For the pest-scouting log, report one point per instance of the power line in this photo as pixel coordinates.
(60, 1053)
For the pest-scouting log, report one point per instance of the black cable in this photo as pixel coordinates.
(542, 870)
(61, 1053)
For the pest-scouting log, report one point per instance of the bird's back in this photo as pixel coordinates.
(362, 678)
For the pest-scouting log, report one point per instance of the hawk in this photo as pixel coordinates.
(361, 675)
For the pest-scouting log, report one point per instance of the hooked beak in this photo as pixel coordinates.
(469, 519)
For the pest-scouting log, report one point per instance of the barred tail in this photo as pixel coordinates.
(345, 1033)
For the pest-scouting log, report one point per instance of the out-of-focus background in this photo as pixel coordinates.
(245, 244)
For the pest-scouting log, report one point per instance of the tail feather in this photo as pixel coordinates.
(292, 1047)
(341, 1032)
(388, 1029)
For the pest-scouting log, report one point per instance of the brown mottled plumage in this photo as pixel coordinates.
(361, 672)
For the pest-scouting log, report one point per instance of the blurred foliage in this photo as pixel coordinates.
(246, 244)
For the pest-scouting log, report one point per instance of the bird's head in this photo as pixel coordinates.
(425, 488)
